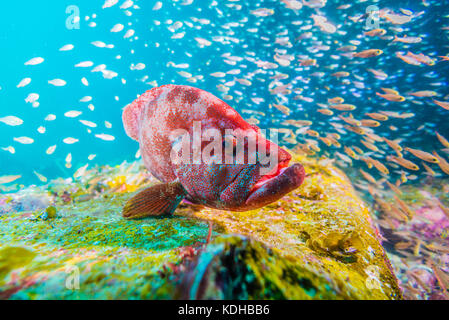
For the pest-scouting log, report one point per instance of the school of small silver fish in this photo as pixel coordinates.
(369, 93)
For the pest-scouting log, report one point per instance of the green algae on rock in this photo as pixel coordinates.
(315, 243)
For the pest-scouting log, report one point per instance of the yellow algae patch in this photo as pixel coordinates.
(13, 258)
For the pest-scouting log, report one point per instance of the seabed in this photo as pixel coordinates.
(68, 240)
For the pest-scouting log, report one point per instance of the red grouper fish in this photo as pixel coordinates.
(156, 120)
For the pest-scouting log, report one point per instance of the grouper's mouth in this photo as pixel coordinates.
(273, 186)
(274, 173)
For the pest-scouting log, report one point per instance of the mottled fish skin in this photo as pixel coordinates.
(151, 119)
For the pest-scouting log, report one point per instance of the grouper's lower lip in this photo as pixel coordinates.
(272, 189)
(278, 170)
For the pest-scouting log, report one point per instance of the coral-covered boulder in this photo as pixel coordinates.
(316, 243)
(320, 236)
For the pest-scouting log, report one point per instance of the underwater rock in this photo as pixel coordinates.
(316, 243)
(326, 230)
(237, 267)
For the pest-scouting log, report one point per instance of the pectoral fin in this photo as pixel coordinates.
(158, 200)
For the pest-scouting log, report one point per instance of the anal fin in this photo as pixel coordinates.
(158, 200)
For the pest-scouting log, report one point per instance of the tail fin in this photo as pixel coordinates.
(131, 119)
(132, 113)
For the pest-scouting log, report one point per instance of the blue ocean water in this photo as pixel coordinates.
(38, 29)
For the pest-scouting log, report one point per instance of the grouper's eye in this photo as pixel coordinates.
(229, 142)
(230, 146)
(235, 149)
